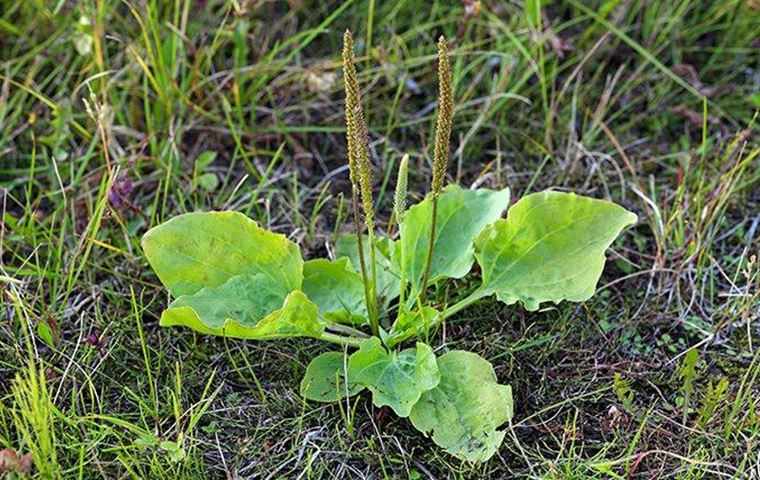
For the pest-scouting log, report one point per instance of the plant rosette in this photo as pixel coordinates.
(228, 276)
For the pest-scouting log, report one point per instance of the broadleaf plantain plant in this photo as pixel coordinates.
(233, 278)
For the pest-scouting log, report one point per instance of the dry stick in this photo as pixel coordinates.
(441, 150)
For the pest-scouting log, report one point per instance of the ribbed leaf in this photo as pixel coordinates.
(464, 411)
(246, 306)
(550, 248)
(387, 275)
(415, 323)
(462, 214)
(325, 378)
(206, 249)
(395, 379)
(336, 289)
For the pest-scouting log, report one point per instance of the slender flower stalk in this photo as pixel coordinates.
(360, 172)
(399, 209)
(441, 149)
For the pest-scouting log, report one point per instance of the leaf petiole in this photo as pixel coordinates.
(340, 328)
(341, 340)
(476, 295)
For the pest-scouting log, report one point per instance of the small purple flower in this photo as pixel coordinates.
(94, 340)
(120, 191)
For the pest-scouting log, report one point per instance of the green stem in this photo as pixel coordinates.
(431, 244)
(464, 303)
(373, 323)
(373, 313)
(340, 328)
(340, 340)
(402, 278)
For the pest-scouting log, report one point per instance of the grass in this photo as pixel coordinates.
(116, 115)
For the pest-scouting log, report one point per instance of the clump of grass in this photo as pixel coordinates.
(33, 419)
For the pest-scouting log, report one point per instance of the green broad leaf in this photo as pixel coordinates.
(550, 248)
(416, 323)
(243, 300)
(336, 289)
(387, 275)
(206, 249)
(464, 411)
(396, 379)
(208, 181)
(325, 379)
(462, 214)
(246, 306)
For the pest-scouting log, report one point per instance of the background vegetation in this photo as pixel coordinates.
(116, 115)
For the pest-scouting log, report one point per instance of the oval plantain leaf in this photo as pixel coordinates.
(462, 214)
(206, 249)
(325, 379)
(246, 306)
(396, 379)
(465, 409)
(415, 323)
(336, 289)
(297, 318)
(550, 248)
(387, 275)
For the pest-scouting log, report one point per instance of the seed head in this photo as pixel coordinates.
(445, 117)
(352, 94)
(359, 166)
